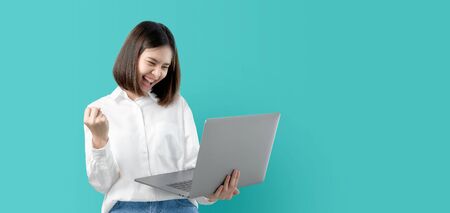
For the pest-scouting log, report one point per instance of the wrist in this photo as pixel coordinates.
(98, 142)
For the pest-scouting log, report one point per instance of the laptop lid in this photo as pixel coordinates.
(238, 142)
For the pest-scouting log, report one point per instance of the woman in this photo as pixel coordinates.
(144, 127)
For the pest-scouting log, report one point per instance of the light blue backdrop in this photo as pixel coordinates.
(362, 86)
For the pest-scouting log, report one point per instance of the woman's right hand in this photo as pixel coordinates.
(97, 123)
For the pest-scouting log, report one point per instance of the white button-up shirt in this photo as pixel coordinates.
(144, 139)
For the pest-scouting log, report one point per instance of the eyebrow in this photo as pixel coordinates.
(158, 61)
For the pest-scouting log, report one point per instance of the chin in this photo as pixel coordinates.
(146, 90)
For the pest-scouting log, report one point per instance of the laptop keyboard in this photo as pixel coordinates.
(184, 185)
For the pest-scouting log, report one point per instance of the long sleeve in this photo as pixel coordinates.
(192, 145)
(102, 170)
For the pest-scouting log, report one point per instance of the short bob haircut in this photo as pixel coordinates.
(147, 34)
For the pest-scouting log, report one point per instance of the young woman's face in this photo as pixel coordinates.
(153, 66)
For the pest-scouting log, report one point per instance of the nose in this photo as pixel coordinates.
(157, 73)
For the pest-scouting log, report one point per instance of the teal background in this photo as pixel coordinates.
(362, 87)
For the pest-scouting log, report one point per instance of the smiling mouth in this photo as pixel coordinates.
(147, 81)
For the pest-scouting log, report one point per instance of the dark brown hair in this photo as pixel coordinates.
(147, 34)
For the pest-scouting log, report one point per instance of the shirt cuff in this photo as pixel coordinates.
(101, 152)
(204, 200)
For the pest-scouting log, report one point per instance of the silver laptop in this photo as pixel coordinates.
(239, 142)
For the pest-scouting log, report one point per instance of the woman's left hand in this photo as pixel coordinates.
(227, 190)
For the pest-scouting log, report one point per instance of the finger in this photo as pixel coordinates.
(236, 192)
(211, 199)
(98, 119)
(227, 181)
(106, 120)
(101, 118)
(233, 179)
(87, 111)
(230, 196)
(99, 114)
(238, 177)
(218, 191)
(93, 114)
(92, 110)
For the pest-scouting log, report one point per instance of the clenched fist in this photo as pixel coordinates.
(97, 123)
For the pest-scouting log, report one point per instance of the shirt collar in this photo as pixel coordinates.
(119, 93)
